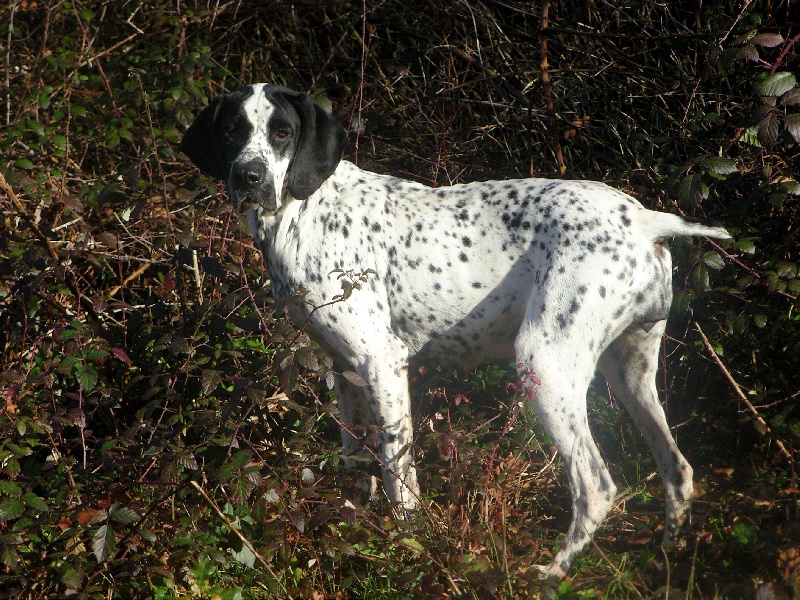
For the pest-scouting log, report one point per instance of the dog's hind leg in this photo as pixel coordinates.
(556, 368)
(630, 364)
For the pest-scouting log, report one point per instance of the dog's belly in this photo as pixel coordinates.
(466, 327)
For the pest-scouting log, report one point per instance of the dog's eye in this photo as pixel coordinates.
(281, 134)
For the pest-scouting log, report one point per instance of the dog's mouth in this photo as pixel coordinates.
(244, 200)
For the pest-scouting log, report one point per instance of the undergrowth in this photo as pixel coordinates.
(167, 433)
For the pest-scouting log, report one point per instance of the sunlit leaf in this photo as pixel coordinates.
(123, 514)
(776, 84)
(244, 555)
(104, 542)
(354, 378)
(713, 260)
(719, 165)
(768, 40)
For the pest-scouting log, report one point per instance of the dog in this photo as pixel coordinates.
(565, 277)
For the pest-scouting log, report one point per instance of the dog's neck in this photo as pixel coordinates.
(280, 235)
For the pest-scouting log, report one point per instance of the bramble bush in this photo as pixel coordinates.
(166, 432)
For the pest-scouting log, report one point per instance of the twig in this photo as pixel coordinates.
(9, 191)
(614, 567)
(13, 11)
(783, 53)
(547, 90)
(759, 419)
(69, 277)
(115, 290)
(616, 36)
(736, 22)
(666, 567)
(690, 583)
(239, 534)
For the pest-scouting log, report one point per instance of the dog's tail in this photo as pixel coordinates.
(663, 225)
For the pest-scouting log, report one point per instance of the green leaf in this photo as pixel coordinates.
(692, 190)
(776, 84)
(786, 269)
(87, 377)
(745, 245)
(95, 355)
(743, 533)
(209, 380)
(179, 345)
(719, 165)
(35, 127)
(791, 97)
(72, 578)
(35, 502)
(792, 123)
(773, 282)
(9, 556)
(750, 136)
(713, 261)
(104, 542)
(768, 128)
(682, 304)
(123, 514)
(412, 544)
(24, 163)
(10, 488)
(226, 593)
(748, 52)
(11, 509)
(699, 279)
(760, 321)
(245, 556)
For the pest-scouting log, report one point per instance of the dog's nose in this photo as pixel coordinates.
(249, 174)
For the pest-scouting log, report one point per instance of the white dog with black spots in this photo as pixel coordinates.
(565, 277)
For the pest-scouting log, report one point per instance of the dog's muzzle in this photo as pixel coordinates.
(249, 183)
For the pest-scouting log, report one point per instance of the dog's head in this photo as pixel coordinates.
(267, 143)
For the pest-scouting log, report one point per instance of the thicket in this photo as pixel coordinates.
(167, 433)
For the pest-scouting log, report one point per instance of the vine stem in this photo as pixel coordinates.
(547, 91)
(70, 280)
(240, 535)
(737, 388)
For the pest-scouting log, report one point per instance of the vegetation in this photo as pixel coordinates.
(166, 433)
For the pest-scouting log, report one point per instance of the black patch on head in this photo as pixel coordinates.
(218, 134)
(319, 143)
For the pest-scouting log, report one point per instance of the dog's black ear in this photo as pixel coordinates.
(202, 144)
(319, 148)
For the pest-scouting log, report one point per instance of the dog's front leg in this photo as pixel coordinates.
(386, 374)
